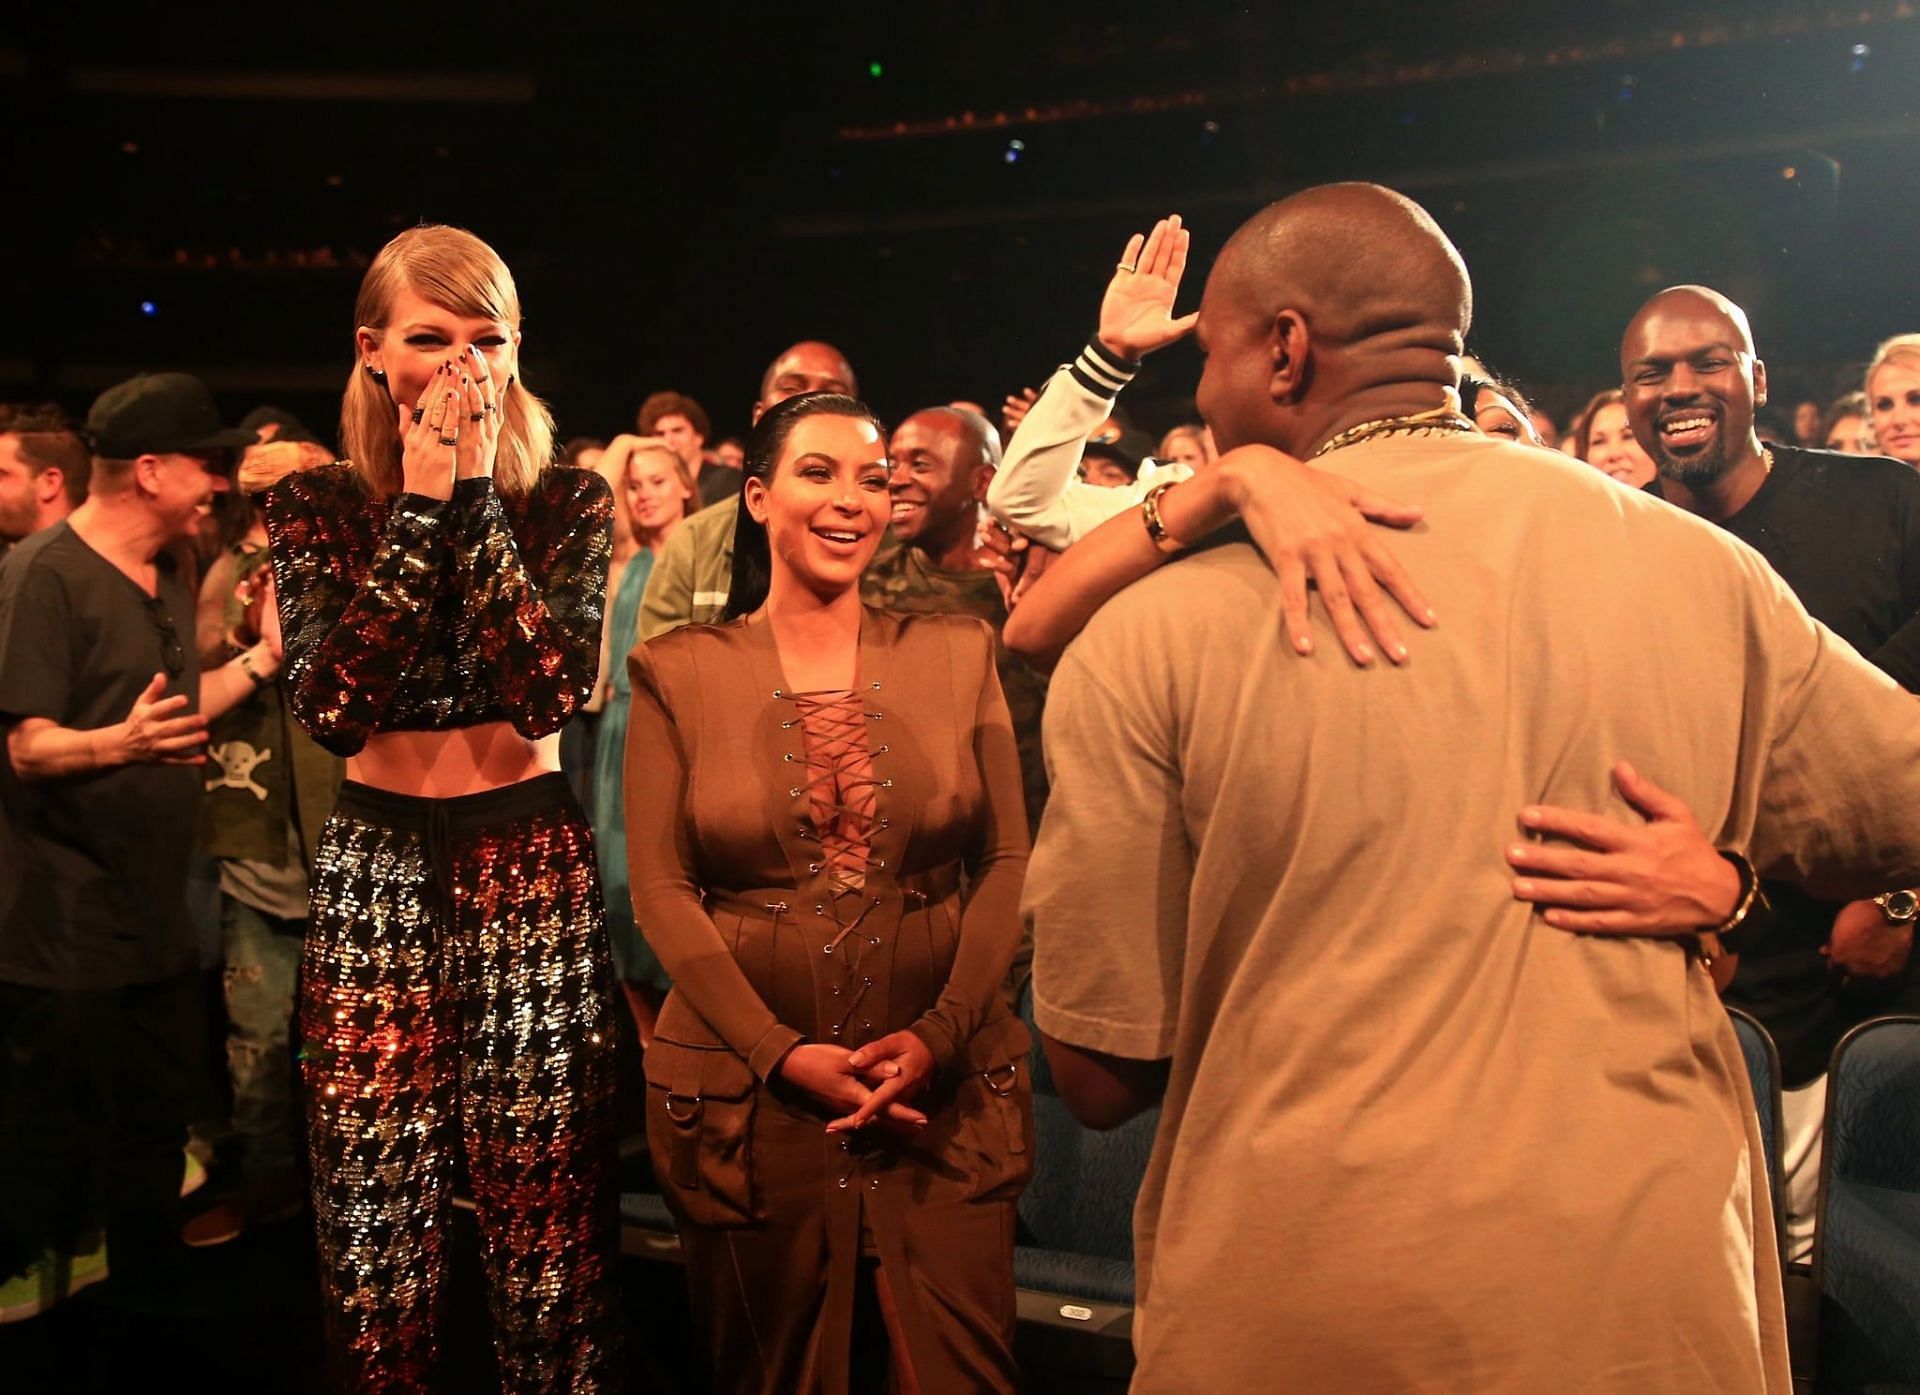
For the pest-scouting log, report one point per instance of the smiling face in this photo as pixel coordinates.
(1894, 399)
(938, 480)
(1613, 450)
(652, 492)
(181, 489)
(1692, 383)
(825, 503)
(419, 336)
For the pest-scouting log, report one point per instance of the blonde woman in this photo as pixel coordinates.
(1187, 444)
(1893, 397)
(654, 490)
(440, 597)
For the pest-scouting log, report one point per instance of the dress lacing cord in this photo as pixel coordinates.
(843, 789)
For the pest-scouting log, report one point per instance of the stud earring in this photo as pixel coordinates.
(376, 374)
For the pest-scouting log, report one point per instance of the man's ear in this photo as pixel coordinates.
(983, 474)
(754, 496)
(146, 473)
(1759, 383)
(49, 485)
(1290, 343)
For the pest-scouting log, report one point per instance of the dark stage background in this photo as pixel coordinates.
(941, 190)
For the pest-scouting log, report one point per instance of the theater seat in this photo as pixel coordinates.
(647, 1227)
(1078, 1212)
(1763, 1071)
(1866, 1253)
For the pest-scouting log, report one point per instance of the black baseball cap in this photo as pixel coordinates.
(159, 414)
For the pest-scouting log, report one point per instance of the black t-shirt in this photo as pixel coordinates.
(1843, 531)
(93, 868)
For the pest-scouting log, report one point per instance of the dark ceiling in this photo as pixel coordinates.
(939, 189)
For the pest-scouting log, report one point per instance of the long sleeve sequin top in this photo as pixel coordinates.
(417, 614)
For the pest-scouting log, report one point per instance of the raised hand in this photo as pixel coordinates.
(479, 425)
(429, 436)
(1136, 315)
(1607, 876)
(153, 735)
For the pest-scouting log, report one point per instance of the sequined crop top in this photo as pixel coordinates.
(418, 614)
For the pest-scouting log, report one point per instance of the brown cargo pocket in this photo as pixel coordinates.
(700, 1103)
(996, 1105)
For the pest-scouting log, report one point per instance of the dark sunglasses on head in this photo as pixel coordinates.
(171, 654)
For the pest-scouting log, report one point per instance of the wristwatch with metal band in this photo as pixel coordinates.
(1899, 907)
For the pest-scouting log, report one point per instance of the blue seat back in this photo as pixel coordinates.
(1080, 1199)
(1867, 1247)
(1763, 1071)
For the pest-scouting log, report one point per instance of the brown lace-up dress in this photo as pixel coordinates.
(833, 867)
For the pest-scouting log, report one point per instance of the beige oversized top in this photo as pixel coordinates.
(1415, 1139)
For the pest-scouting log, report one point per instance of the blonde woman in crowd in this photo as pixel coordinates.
(1893, 397)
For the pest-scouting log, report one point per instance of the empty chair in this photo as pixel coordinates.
(1866, 1253)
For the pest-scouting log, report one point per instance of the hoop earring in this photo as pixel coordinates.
(376, 374)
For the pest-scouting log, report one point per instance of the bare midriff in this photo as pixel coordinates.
(442, 764)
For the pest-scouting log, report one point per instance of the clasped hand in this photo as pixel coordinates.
(869, 1085)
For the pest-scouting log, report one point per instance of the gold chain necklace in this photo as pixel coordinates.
(1442, 418)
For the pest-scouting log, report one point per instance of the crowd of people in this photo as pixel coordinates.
(476, 759)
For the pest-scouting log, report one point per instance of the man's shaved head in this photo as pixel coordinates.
(1690, 302)
(1345, 293)
(809, 366)
(1361, 260)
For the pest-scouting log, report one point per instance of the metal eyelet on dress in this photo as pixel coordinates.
(787, 725)
(879, 862)
(886, 784)
(876, 716)
(882, 749)
(813, 867)
(886, 823)
(794, 793)
(779, 906)
(876, 687)
(788, 758)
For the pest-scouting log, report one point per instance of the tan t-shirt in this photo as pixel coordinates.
(1414, 1138)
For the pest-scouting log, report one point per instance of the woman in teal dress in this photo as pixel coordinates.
(652, 487)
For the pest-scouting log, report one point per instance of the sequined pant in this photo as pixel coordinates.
(456, 996)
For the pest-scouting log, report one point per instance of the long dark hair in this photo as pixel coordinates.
(752, 555)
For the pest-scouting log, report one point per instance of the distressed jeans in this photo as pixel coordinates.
(263, 970)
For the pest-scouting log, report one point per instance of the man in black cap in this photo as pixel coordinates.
(104, 712)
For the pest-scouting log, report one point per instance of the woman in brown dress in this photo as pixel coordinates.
(827, 841)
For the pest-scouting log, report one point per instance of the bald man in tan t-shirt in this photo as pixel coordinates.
(1414, 1138)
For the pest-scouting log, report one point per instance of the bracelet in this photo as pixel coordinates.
(260, 680)
(1714, 941)
(1157, 532)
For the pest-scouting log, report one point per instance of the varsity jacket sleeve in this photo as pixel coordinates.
(1036, 490)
